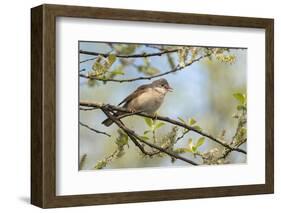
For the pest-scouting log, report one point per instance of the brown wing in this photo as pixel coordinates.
(134, 94)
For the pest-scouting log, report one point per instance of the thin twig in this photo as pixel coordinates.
(135, 141)
(183, 134)
(89, 59)
(161, 118)
(142, 55)
(82, 161)
(92, 129)
(227, 152)
(178, 68)
(131, 133)
(87, 109)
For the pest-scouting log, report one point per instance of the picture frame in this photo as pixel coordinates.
(44, 114)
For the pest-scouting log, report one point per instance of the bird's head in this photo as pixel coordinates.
(162, 84)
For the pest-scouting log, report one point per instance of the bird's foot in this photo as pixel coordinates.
(155, 115)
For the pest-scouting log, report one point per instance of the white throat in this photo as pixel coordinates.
(161, 90)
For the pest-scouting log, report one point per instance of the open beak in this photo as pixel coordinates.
(170, 89)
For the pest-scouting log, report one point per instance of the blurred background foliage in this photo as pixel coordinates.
(203, 95)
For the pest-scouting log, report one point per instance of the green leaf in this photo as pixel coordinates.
(146, 132)
(117, 72)
(151, 71)
(200, 142)
(148, 121)
(194, 52)
(243, 130)
(144, 138)
(182, 120)
(171, 61)
(100, 164)
(194, 149)
(181, 150)
(146, 61)
(121, 142)
(98, 68)
(159, 125)
(240, 97)
(111, 59)
(141, 68)
(191, 121)
(191, 146)
(197, 128)
(240, 107)
(226, 58)
(189, 141)
(182, 53)
(122, 139)
(128, 49)
(120, 153)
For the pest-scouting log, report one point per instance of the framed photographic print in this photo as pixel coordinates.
(135, 106)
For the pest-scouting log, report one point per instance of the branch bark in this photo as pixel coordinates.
(132, 134)
(178, 68)
(94, 130)
(142, 55)
(113, 108)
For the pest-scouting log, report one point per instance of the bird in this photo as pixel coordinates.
(146, 98)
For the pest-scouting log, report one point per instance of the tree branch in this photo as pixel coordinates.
(178, 68)
(82, 161)
(166, 119)
(132, 134)
(94, 130)
(142, 55)
(227, 152)
(89, 59)
(87, 109)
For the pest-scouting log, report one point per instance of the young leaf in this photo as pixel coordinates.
(190, 144)
(181, 119)
(240, 97)
(159, 125)
(240, 107)
(146, 132)
(191, 121)
(148, 121)
(98, 68)
(117, 72)
(182, 53)
(243, 130)
(200, 142)
(197, 128)
(101, 164)
(120, 153)
(181, 150)
(151, 71)
(122, 139)
(111, 59)
(194, 149)
(171, 61)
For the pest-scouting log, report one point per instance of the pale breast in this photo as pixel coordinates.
(148, 102)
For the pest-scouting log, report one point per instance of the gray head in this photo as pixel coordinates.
(162, 83)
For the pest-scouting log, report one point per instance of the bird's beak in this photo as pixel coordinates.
(170, 89)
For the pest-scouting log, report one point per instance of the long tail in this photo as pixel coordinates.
(107, 122)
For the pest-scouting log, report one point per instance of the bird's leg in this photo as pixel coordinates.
(155, 115)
